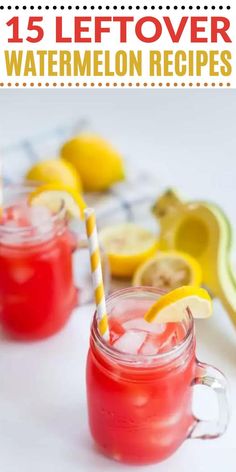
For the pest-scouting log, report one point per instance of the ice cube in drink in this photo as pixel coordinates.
(137, 336)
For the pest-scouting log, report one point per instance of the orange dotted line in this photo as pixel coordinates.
(115, 84)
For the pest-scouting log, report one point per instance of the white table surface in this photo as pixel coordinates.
(187, 138)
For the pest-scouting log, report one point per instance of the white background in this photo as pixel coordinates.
(187, 139)
(111, 41)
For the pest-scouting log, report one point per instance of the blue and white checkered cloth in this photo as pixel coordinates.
(126, 201)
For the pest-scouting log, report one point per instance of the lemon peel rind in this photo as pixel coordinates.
(171, 307)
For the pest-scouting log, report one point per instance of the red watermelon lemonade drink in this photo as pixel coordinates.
(140, 383)
(37, 292)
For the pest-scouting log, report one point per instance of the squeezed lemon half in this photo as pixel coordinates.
(169, 270)
(127, 246)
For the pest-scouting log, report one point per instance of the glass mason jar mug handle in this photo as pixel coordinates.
(211, 377)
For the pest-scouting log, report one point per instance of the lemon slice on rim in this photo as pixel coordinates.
(52, 195)
(127, 246)
(168, 270)
(172, 306)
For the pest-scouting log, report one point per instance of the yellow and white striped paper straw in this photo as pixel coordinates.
(1, 186)
(96, 267)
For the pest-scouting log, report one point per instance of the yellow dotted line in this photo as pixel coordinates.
(115, 84)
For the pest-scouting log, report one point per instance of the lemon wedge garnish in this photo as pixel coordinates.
(127, 246)
(169, 270)
(172, 306)
(53, 196)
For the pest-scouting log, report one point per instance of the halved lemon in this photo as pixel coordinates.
(172, 306)
(127, 246)
(169, 270)
(54, 195)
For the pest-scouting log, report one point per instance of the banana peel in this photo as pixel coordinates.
(202, 230)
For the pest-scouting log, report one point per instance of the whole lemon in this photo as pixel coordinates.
(98, 164)
(55, 171)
